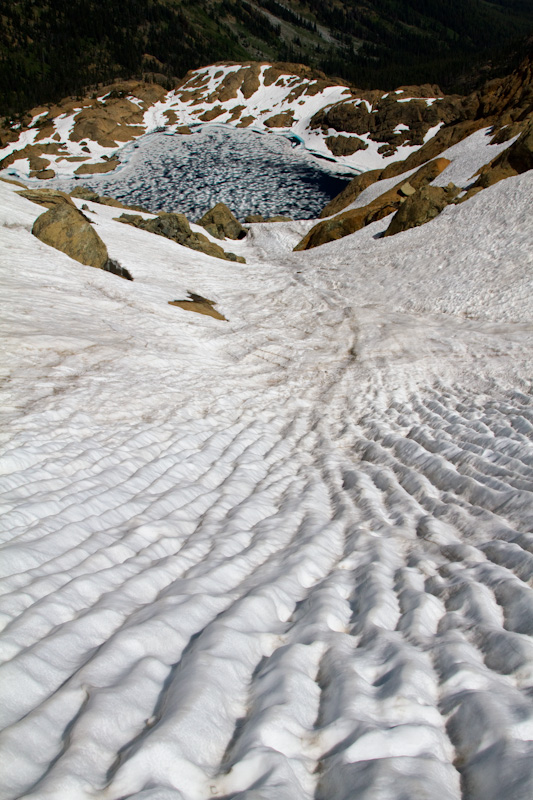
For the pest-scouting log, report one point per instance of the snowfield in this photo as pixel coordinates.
(283, 557)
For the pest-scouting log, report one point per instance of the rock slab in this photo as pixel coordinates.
(176, 227)
(68, 230)
(221, 223)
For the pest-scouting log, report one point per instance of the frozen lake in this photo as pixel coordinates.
(252, 173)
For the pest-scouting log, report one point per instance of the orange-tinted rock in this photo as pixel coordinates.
(355, 219)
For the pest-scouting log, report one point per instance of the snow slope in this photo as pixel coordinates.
(283, 557)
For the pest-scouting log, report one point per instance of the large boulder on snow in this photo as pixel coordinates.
(68, 230)
(176, 227)
(353, 220)
(420, 207)
(220, 223)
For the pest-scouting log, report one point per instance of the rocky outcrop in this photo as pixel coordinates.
(212, 113)
(35, 155)
(397, 118)
(110, 121)
(68, 230)
(351, 192)
(50, 198)
(518, 158)
(84, 193)
(221, 223)
(102, 166)
(345, 145)
(357, 218)
(177, 228)
(199, 304)
(505, 104)
(281, 69)
(283, 120)
(421, 206)
(43, 174)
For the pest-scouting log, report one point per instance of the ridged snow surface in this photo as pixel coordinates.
(250, 172)
(283, 557)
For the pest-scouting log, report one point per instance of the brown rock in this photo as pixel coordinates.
(220, 222)
(46, 131)
(34, 153)
(351, 192)
(177, 228)
(37, 163)
(250, 83)
(381, 123)
(518, 158)
(84, 193)
(290, 69)
(68, 230)
(115, 120)
(50, 198)
(101, 166)
(345, 145)
(406, 189)
(14, 182)
(199, 304)
(283, 120)
(470, 193)
(43, 174)
(355, 219)
(212, 113)
(229, 86)
(421, 207)
(236, 113)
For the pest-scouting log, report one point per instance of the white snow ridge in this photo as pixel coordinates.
(286, 556)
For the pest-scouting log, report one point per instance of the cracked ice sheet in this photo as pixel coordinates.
(252, 173)
(281, 557)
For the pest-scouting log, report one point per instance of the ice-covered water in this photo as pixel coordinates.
(252, 173)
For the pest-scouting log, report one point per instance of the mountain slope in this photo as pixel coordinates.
(48, 50)
(101, 139)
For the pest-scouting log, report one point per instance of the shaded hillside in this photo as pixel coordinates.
(51, 49)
